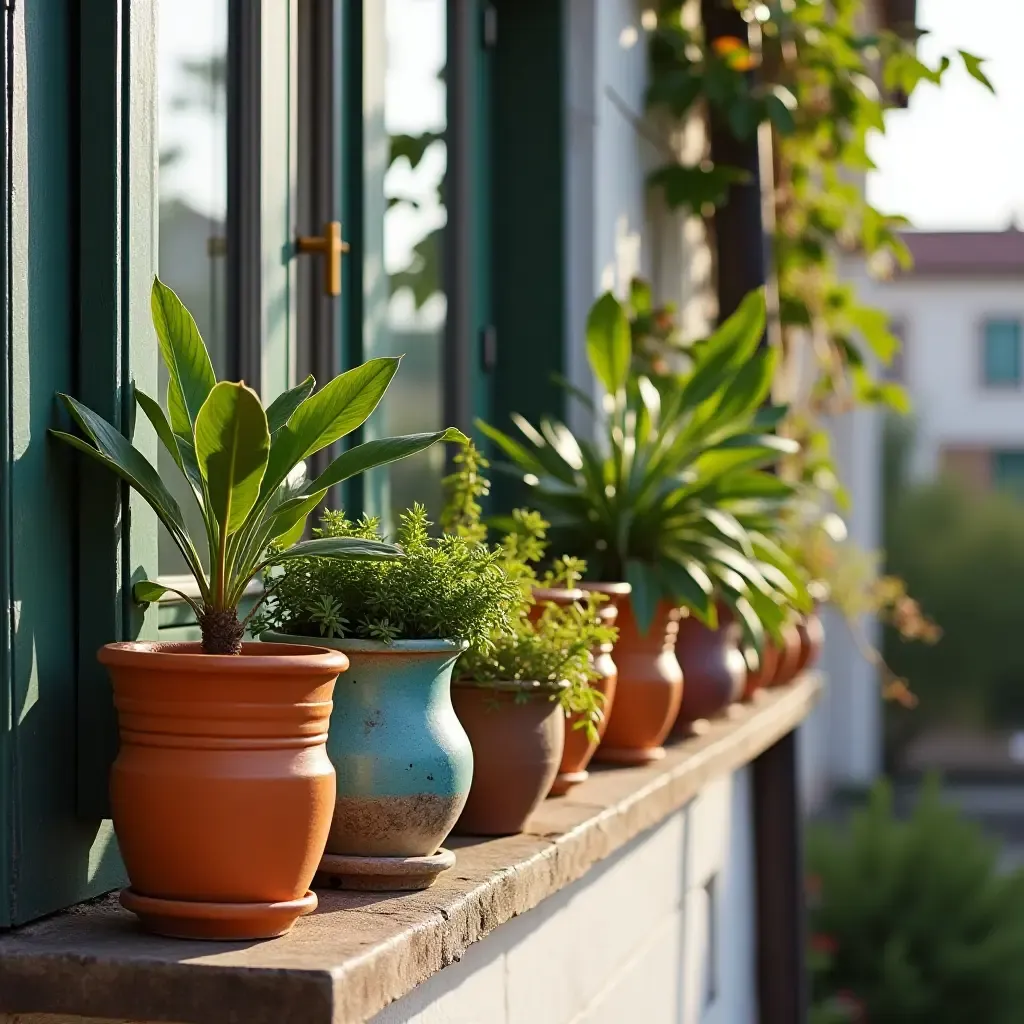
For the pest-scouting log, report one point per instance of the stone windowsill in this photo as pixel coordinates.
(361, 951)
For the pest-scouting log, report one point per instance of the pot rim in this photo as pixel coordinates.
(565, 595)
(356, 645)
(618, 588)
(529, 686)
(256, 658)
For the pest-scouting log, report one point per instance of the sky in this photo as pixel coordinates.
(955, 158)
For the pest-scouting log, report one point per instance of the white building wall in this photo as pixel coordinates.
(660, 933)
(943, 361)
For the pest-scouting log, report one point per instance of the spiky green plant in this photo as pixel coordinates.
(673, 497)
(245, 466)
(446, 588)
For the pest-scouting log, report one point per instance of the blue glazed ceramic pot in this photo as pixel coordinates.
(403, 760)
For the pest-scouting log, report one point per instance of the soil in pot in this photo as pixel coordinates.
(518, 733)
(648, 691)
(222, 791)
(403, 759)
(580, 746)
(714, 669)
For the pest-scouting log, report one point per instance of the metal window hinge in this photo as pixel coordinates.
(488, 348)
(489, 28)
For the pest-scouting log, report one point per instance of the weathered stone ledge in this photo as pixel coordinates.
(361, 951)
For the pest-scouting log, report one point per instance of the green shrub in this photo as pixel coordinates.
(447, 588)
(911, 922)
(962, 556)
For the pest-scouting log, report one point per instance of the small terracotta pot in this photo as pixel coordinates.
(788, 655)
(517, 732)
(812, 640)
(714, 669)
(649, 688)
(768, 663)
(222, 791)
(579, 747)
(561, 596)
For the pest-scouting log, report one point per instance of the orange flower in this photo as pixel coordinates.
(734, 52)
(824, 944)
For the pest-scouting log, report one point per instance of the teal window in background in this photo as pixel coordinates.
(1002, 361)
(1008, 471)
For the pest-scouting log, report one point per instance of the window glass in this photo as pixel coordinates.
(1008, 471)
(405, 211)
(192, 86)
(1002, 352)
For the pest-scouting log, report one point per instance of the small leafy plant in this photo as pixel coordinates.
(446, 588)
(245, 466)
(552, 647)
(674, 498)
(912, 921)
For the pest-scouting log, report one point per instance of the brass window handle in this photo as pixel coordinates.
(331, 244)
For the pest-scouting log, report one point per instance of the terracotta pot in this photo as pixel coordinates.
(768, 663)
(518, 733)
(579, 747)
(812, 640)
(714, 669)
(403, 760)
(788, 655)
(649, 688)
(561, 596)
(222, 790)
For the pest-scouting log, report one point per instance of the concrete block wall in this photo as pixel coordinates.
(662, 933)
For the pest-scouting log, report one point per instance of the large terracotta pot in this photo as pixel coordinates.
(579, 746)
(812, 640)
(767, 665)
(517, 732)
(649, 688)
(222, 790)
(403, 760)
(714, 669)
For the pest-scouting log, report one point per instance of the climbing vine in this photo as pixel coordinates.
(822, 84)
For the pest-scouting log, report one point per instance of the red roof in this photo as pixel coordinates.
(966, 253)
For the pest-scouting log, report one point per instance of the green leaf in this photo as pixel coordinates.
(188, 363)
(281, 408)
(115, 452)
(646, 593)
(338, 547)
(728, 348)
(148, 592)
(973, 66)
(697, 186)
(156, 416)
(748, 389)
(232, 447)
(609, 348)
(289, 520)
(334, 411)
(779, 106)
(380, 452)
(691, 586)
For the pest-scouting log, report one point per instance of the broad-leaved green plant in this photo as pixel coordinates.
(245, 465)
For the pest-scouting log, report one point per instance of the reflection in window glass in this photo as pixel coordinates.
(192, 85)
(414, 216)
(1002, 352)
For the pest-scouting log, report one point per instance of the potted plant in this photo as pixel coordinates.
(673, 499)
(222, 790)
(515, 693)
(404, 762)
